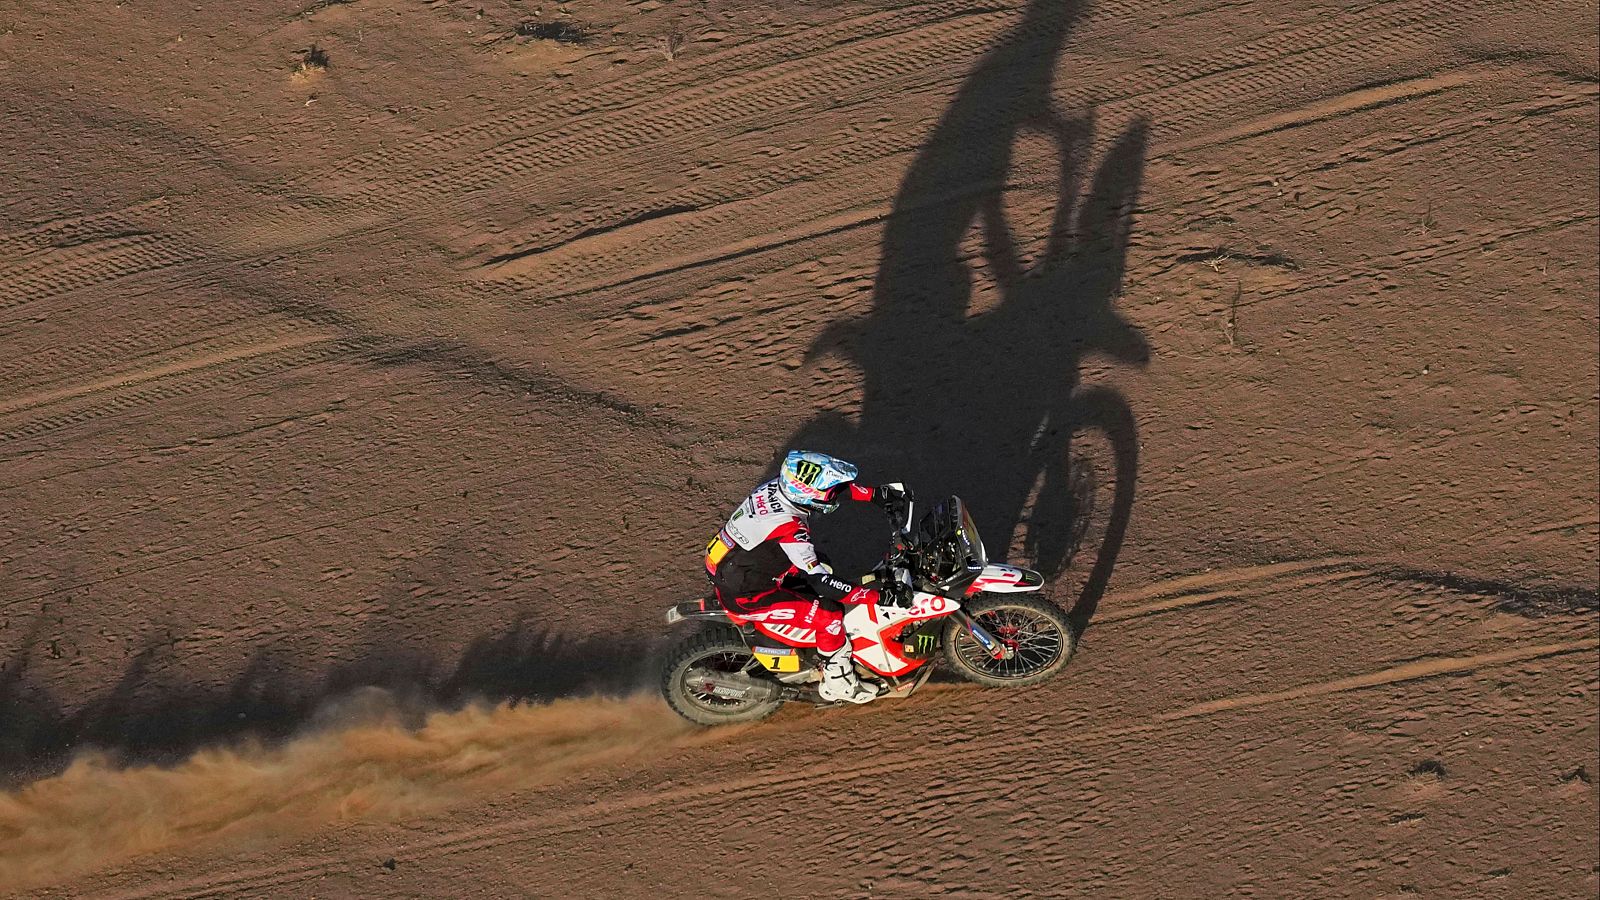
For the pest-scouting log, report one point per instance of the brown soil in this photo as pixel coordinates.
(368, 367)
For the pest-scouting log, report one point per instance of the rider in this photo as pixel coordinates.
(763, 563)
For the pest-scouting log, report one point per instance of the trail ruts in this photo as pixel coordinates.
(988, 406)
(149, 717)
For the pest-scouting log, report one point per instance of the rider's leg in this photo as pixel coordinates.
(784, 609)
(839, 681)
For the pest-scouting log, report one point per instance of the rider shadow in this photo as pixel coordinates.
(987, 403)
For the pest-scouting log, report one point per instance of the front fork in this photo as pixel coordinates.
(983, 637)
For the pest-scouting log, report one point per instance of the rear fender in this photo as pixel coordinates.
(704, 609)
(998, 578)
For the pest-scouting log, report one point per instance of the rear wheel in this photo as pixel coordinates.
(717, 649)
(1035, 631)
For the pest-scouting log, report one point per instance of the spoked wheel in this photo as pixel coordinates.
(1035, 632)
(689, 693)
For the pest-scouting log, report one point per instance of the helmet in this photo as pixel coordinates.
(814, 479)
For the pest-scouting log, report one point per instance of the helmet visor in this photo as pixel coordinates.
(829, 501)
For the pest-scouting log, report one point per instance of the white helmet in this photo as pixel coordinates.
(811, 479)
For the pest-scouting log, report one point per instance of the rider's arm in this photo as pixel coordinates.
(883, 493)
(795, 539)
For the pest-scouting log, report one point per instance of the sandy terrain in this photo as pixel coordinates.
(366, 366)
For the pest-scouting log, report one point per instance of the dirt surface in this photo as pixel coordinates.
(366, 366)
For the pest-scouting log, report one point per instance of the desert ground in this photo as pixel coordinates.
(372, 373)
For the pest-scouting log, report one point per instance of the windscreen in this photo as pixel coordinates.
(969, 534)
(951, 553)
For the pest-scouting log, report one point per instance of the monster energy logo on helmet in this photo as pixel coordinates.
(807, 471)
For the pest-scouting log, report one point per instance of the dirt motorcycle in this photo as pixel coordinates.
(942, 598)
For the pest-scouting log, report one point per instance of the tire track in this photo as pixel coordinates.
(765, 181)
(857, 68)
(181, 366)
(1234, 199)
(715, 71)
(1478, 124)
(730, 791)
(846, 71)
(708, 72)
(1442, 248)
(220, 313)
(586, 141)
(74, 230)
(1218, 578)
(1209, 598)
(1345, 104)
(1184, 96)
(116, 394)
(95, 262)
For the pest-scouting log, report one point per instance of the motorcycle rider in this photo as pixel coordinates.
(764, 566)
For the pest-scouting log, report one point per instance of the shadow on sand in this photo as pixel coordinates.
(986, 403)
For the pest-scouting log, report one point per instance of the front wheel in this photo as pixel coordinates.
(1037, 632)
(717, 649)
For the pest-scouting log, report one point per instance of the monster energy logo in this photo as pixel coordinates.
(807, 471)
(921, 642)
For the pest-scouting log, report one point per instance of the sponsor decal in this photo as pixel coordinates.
(807, 471)
(834, 627)
(766, 502)
(777, 614)
(779, 662)
(774, 651)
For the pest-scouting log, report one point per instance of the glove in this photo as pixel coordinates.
(900, 595)
(862, 595)
(890, 495)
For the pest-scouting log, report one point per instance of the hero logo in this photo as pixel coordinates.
(932, 606)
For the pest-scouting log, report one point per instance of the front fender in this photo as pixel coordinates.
(999, 578)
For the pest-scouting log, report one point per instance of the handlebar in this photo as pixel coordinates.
(898, 587)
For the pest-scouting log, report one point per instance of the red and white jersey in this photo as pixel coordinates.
(767, 538)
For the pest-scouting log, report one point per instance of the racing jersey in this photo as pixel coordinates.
(766, 540)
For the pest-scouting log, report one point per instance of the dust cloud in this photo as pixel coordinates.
(96, 814)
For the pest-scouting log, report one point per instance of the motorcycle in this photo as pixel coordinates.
(943, 599)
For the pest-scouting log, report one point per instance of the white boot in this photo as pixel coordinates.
(839, 681)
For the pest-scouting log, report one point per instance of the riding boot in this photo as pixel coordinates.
(839, 681)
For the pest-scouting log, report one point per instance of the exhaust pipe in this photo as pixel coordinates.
(730, 685)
